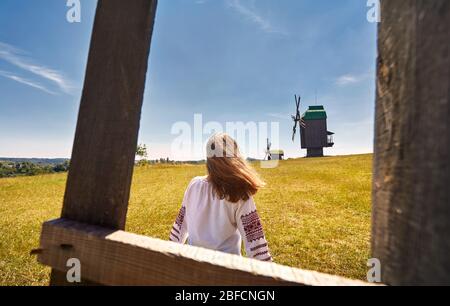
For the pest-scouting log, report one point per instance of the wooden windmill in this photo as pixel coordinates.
(314, 135)
(273, 154)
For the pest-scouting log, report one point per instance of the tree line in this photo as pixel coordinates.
(12, 169)
(18, 167)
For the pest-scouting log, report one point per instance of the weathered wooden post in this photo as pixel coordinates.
(411, 209)
(101, 169)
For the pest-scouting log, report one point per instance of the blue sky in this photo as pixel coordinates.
(230, 60)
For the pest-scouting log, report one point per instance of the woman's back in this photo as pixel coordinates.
(207, 221)
(218, 211)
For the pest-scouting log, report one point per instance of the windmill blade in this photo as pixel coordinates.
(294, 131)
(297, 118)
(268, 155)
(268, 150)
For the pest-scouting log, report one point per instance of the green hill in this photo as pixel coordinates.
(315, 212)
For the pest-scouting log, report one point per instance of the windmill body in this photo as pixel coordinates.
(273, 154)
(314, 134)
(277, 154)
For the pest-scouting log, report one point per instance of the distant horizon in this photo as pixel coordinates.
(194, 160)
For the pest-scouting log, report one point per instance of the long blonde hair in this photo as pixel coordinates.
(231, 176)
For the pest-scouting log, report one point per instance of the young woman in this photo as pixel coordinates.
(218, 210)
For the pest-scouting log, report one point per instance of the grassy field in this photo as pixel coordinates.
(315, 212)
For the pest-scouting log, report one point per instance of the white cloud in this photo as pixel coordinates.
(350, 79)
(347, 79)
(253, 16)
(14, 56)
(25, 82)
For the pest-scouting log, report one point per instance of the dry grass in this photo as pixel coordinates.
(316, 213)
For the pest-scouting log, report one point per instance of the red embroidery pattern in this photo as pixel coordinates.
(252, 226)
(258, 247)
(180, 217)
(175, 230)
(262, 253)
(173, 235)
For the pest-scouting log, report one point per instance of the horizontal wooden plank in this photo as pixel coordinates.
(112, 257)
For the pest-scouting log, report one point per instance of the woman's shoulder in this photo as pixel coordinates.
(196, 185)
(198, 180)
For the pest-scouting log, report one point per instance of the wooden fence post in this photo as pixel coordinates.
(411, 209)
(101, 169)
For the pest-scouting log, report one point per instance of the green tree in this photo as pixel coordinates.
(141, 151)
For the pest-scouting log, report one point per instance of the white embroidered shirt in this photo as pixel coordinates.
(207, 221)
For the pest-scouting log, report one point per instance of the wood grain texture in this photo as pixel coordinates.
(112, 257)
(101, 168)
(411, 209)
